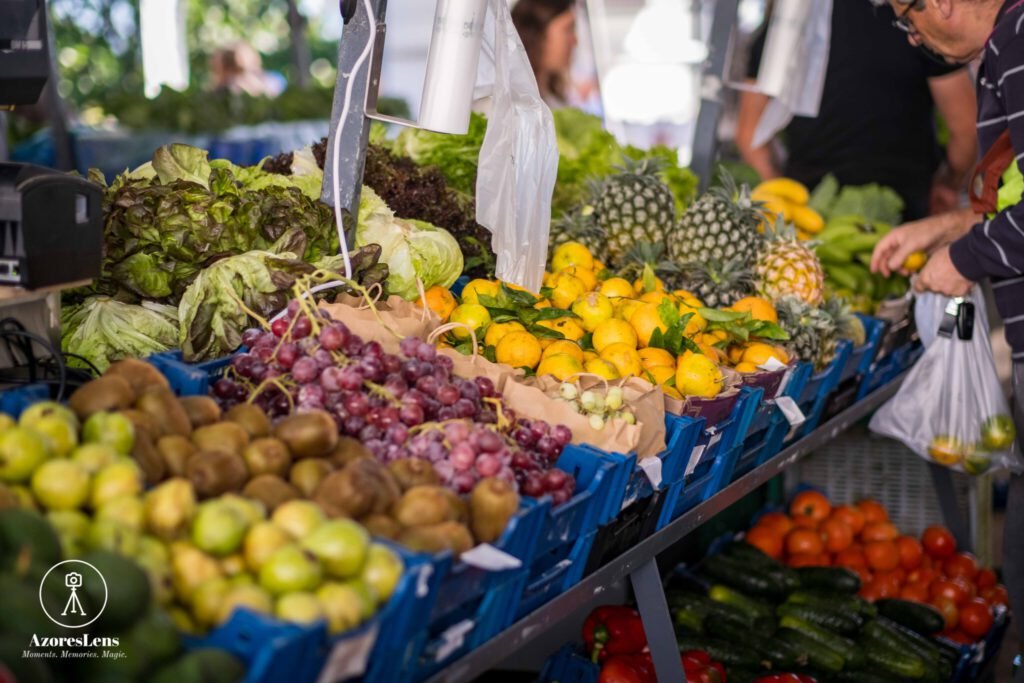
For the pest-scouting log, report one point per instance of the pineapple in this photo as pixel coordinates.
(812, 331)
(720, 285)
(643, 255)
(785, 266)
(720, 226)
(848, 326)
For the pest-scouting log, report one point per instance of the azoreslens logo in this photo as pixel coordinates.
(78, 577)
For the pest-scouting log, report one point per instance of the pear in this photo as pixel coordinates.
(342, 605)
(122, 478)
(299, 608)
(298, 517)
(341, 545)
(169, 507)
(128, 511)
(190, 567)
(61, 485)
(94, 456)
(249, 596)
(260, 543)
(219, 527)
(290, 569)
(207, 600)
(382, 571)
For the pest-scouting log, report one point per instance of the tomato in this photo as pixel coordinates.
(850, 516)
(985, 578)
(871, 591)
(888, 583)
(804, 522)
(873, 511)
(813, 504)
(804, 560)
(922, 576)
(976, 618)
(958, 636)
(838, 536)
(851, 557)
(864, 573)
(961, 564)
(948, 589)
(882, 555)
(879, 531)
(915, 592)
(768, 541)
(804, 542)
(947, 608)
(777, 521)
(910, 552)
(996, 595)
(938, 542)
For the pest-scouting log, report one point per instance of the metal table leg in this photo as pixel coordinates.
(942, 480)
(661, 636)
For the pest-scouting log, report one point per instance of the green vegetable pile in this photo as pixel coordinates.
(874, 202)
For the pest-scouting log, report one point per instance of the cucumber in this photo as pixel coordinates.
(923, 619)
(900, 664)
(833, 620)
(829, 579)
(689, 620)
(851, 654)
(707, 607)
(818, 656)
(861, 677)
(720, 650)
(753, 557)
(743, 577)
(779, 654)
(756, 608)
(834, 601)
(883, 630)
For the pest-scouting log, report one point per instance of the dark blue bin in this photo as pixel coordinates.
(569, 665)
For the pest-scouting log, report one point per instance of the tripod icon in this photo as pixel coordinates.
(74, 582)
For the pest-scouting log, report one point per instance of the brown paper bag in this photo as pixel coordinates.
(387, 322)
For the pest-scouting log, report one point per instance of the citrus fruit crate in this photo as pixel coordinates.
(816, 390)
(681, 434)
(568, 665)
(710, 463)
(768, 426)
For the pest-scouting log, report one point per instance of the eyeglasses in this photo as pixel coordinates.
(903, 21)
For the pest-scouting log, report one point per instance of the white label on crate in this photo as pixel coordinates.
(423, 580)
(694, 459)
(784, 383)
(652, 468)
(348, 657)
(772, 364)
(485, 556)
(791, 411)
(715, 439)
(453, 638)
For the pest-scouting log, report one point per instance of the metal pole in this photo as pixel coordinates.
(942, 480)
(55, 108)
(705, 138)
(661, 635)
(299, 45)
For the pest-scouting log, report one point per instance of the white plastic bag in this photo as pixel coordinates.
(519, 156)
(793, 64)
(951, 409)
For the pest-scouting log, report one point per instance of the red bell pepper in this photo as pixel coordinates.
(785, 678)
(613, 630)
(634, 668)
(699, 668)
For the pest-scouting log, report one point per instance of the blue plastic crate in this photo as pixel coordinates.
(817, 389)
(459, 284)
(568, 665)
(681, 434)
(884, 370)
(189, 379)
(555, 572)
(860, 358)
(13, 402)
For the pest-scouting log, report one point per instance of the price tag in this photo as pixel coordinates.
(453, 638)
(485, 556)
(348, 657)
(423, 580)
(772, 364)
(694, 459)
(791, 411)
(715, 439)
(652, 468)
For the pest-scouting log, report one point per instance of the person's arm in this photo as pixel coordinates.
(927, 235)
(955, 99)
(752, 105)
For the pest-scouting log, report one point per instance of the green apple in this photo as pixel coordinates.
(122, 478)
(94, 456)
(341, 605)
(298, 517)
(61, 485)
(341, 545)
(219, 527)
(382, 571)
(62, 434)
(22, 450)
(247, 596)
(43, 409)
(107, 535)
(260, 543)
(299, 608)
(290, 569)
(113, 429)
(128, 511)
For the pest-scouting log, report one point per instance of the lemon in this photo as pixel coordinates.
(557, 346)
(645, 320)
(655, 297)
(615, 287)
(518, 349)
(601, 368)
(746, 368)
(542, 303)
(758, 353)
(561, 365)
(624, 357)
(498, 330)
(599, 267)
(471, 315)
(571, 254)
(613, 331)
(683, 294)
(735, 354)
(566, 288)
(659, 374)
(589, 355)
(569, 327)
(711, 352)
(697, 375)
(757, 307)
(474, 288)
(587, 277)
(593, 309)
(693, 302)
(696, 323)
(672, 392)
(638, 285)
(652, 358)
(624, 308)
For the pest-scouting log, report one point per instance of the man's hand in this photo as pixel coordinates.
(941, 276)
(893, 249)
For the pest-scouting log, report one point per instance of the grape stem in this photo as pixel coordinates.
(277, 382)
(503, 422)
(248, 311)
(325, 275)
(381, 391)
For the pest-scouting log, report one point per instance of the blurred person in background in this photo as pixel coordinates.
(548, 31)
(238, 69)
(876, 122)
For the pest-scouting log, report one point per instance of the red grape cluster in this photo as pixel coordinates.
(398, 406)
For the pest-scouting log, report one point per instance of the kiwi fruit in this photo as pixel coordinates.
(229, 437)
(382, 526)
(167, 413)
(459, 506)
(201, 410)
(437, 538)
(410, 472)
(139, 374)
(140, 420)
(422, 506)
(344, 493)
(215, 472)
(270, 490)
(267, 456)
(306, 475)
(251, 418)
(175, 451)
(491, 504)
(347, 450)
(109, 393)
(148, 458)
(313, 434)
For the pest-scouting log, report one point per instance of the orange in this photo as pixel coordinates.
(565, 346)
(758, 353)
(746, 368)
(472, 292)
(873, 511)
(655, 297)
(645, 320)
(882, 555)
(651, 357)
(766, 540)
(838, 536)
(613, 331)
(758, 307)
(660, 374)
(814, 504)
(804, 542)
(440, 301)
(616, 287)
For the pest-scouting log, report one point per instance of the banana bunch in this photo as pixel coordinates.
(844, 248)
(786, 198)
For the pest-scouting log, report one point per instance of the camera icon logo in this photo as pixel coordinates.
(73, 593)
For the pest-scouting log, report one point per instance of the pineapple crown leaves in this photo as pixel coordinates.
(732, 273)
(647, 256)
(781, 230)
(794, 312)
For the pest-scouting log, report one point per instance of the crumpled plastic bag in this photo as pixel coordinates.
(951, 409)
(519, 157)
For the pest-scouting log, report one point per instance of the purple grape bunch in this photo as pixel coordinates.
(398, 406)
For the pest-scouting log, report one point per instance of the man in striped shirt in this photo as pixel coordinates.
(972, 244)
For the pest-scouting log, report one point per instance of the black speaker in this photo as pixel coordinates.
(24, 52)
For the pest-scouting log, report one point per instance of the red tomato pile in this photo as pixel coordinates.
(861, 538)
